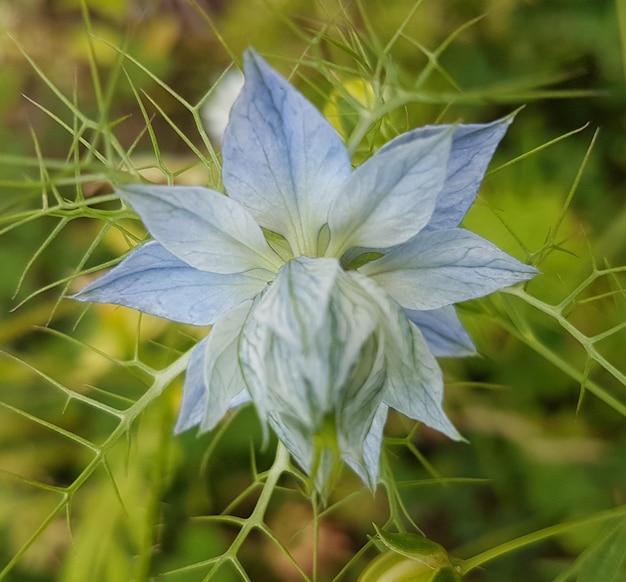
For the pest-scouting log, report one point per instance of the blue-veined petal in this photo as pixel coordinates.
(295, 435)
(302, 340)
(313, 356)
(360, 396)
(154, 281)
(213, 382)
(222, 372)
(415, 387)
(368, 469)
(391, 196)
(203, 228)
(443, 331)
(359, 417)
(442, 267)
(193, 402)
(414, 383)
(472, 149)
(282, 160)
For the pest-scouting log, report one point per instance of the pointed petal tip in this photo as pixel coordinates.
(79, 295)
(454, 434)
(250, 55)
(180, 427)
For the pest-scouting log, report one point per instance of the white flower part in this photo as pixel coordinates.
(214, 383)
(154, 281)
(202, 227)
(473, 146)
(391, 196)
(282, 160)
(194, 391)
(222, 373)
(443, 331)
(441, 267)
(368, 467)
(414, 384)
(313, 359)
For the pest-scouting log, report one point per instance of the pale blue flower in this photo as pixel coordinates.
(330, 291)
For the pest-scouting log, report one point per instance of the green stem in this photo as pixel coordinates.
(587, 343)
(537, 536)
(280, 465)
(164, 378)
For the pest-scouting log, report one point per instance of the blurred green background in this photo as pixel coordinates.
(539, 454)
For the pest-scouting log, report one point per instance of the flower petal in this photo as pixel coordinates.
(312, 353)
(359, 405)
(391, 196)
(372, 446)
(365, 459)
(203, 228)
(443, 331)
(296, 437)
(213, 382)
(472, 149)
(441, 267)
(302, 341)
(416, 387)
(414, 384)
(222, 372)
(282, 160)
(194, 390)
(152, 280)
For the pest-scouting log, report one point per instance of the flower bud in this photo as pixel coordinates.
(412, 558)
(393, 567)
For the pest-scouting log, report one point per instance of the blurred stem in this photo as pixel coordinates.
(620, 6)
(548, 532)
(156, 484)
(587, 343)
(162, 379)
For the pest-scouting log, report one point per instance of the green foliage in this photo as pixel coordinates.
(92, 483)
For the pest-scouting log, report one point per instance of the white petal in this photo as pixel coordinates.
(305, 450)
(202, 227)
(416, 387)
(281, 325)
(372, 447)
(442, 267)
(472, 149)
(194, 390)
(361, 413)
(414, 380)
(391, 196)
(303, 340)
(240, 399)
(282, 160)
(295, 303)
(153, 280)
(222, 372)
(213, 382)
(312, 351)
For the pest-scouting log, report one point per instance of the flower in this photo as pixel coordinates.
(330, 291)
